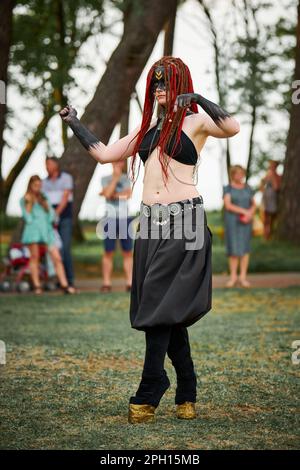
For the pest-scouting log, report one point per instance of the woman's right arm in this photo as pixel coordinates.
(102, 153)
(26, 208)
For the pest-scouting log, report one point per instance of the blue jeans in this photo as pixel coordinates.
(65, 231)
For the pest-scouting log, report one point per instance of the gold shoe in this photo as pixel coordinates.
(186, 410)
(140, 413)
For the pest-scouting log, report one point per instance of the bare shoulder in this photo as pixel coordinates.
(195, 123)
(152, 124)
(196, 120)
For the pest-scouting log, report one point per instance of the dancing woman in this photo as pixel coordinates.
(171, 285)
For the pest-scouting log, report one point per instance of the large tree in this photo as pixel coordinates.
(288, 227)
(221, 45)
(44, 52)
(142, 23)
(256, 75)
(6, 9)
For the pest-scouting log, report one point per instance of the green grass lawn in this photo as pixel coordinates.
(74, 361)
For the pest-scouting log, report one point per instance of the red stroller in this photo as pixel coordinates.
(17, 268)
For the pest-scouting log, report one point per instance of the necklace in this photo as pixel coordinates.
(195, 172)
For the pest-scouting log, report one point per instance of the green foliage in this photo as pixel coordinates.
(262, 58)
(254, 51)
(47, 35)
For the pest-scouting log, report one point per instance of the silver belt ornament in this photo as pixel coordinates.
(162, 211)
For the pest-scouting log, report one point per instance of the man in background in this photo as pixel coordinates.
(58, 186)
(116, 189)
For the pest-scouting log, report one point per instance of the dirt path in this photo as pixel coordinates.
(264, 280)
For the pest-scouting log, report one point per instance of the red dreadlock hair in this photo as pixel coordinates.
(178, 80)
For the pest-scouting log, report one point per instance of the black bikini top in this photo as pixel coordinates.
(185, 151)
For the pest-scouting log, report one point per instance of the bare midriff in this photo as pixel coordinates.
(155, 190)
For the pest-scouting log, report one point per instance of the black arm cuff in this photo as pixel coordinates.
(86, 137)
(212, 109)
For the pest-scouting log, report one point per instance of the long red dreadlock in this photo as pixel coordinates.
(178, 80)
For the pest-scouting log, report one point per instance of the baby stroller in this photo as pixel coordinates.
(16, 272)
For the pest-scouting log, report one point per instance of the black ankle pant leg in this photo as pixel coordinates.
(154, 381)
(157, 342)
(179, 352)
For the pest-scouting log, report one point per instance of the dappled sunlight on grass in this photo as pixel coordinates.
(73, 362)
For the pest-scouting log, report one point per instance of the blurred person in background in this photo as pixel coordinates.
(38, 229)
(58, 186)
(270, 187)
(239, 210)
(116, 189)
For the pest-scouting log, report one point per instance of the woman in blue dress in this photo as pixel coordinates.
(239, 208)
(39, 217)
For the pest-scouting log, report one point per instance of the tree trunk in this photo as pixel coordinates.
(124, 129)
(6, 9)
(141, 29)
(169, 32)
(251, 141)
(59, 94)
(288, 227)
(39, 134)
(220, 88)
(26, 154)
(228, 158)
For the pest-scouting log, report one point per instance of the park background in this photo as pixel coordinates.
(72, 362)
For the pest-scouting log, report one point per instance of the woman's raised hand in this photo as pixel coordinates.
(68, 113)
(184, 100)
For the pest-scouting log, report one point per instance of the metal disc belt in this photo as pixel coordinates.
(162, 211)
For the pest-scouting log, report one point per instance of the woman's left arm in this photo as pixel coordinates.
(217, 122)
